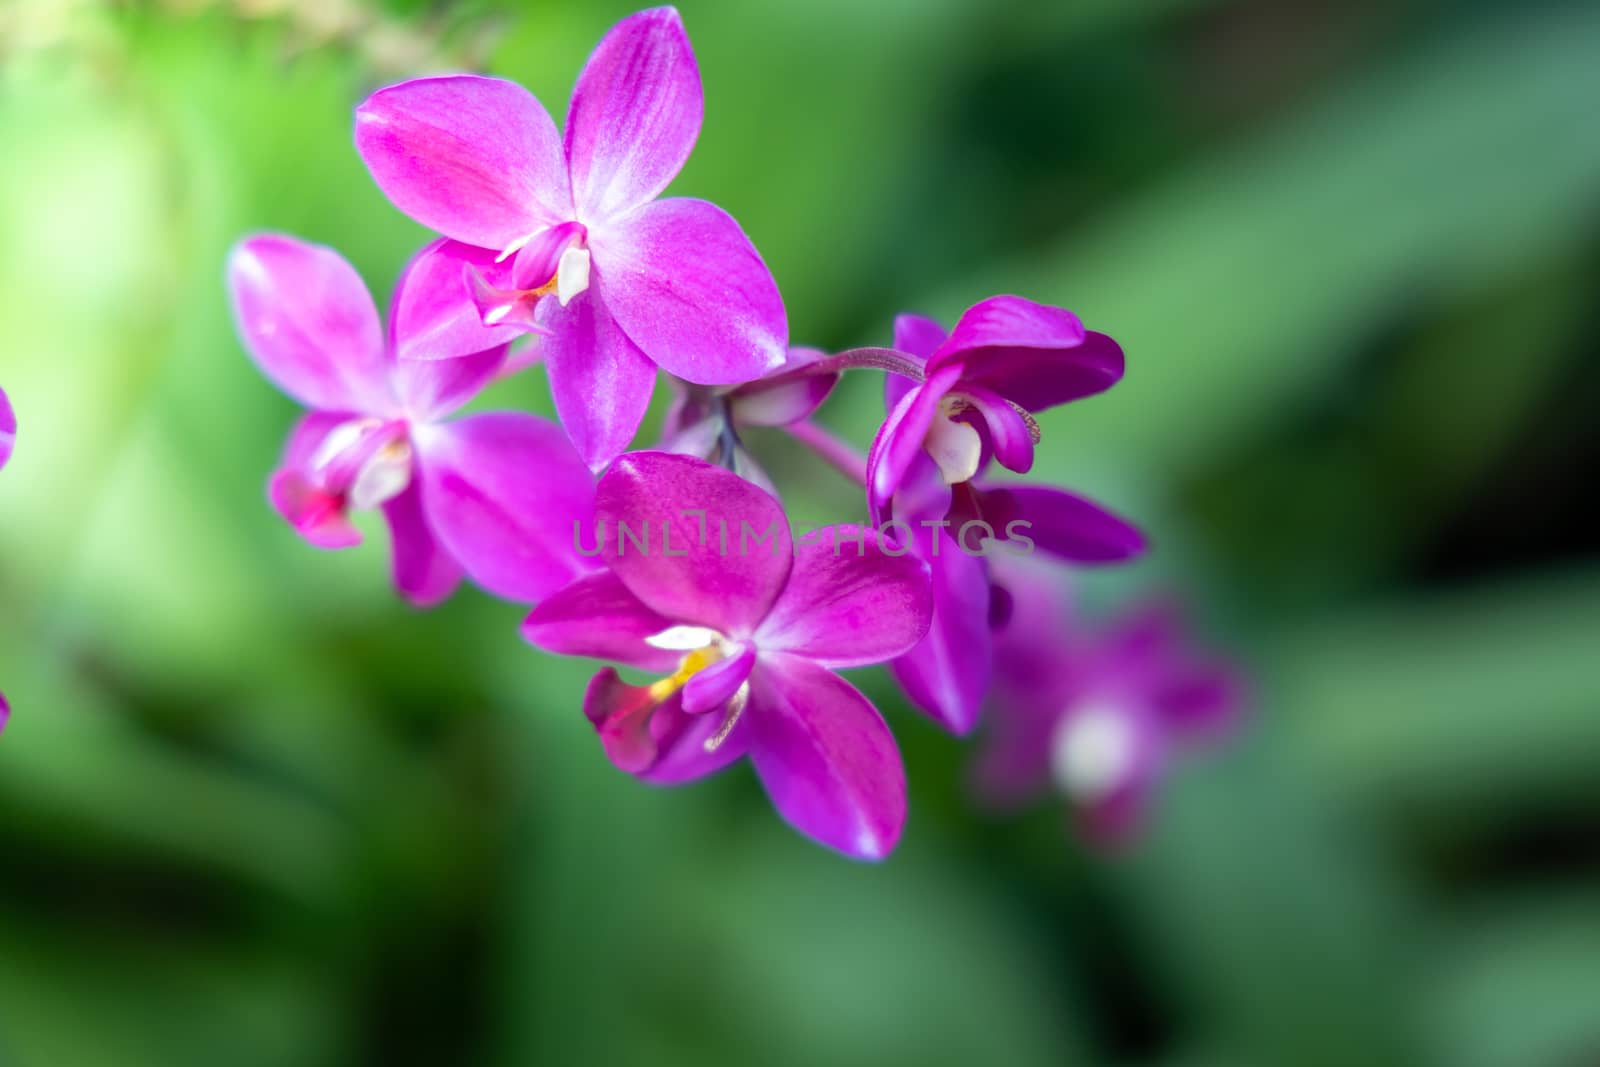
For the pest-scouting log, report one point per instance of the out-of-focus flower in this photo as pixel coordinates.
(8, 437)
(639, 282)
(1096, 713)
(492, 495)
(8, 429)
(1006, 358)
(705, 421)
(748, 628)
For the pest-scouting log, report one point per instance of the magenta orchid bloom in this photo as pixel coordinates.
(748, 628)
(705, 421)
(8, 429)
(638, 282)
(492, 496)
(8, 436)
(954, 528)
(1097, 714)
(1006, 358)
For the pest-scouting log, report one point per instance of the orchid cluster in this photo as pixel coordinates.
(556, 248)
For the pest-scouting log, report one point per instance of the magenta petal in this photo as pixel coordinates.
(895, 387)
(850, 601)
(600, 381)
(681, 745)
(826, 757)
(622, 715)
(715, 685)
(900, 440)
(947, 673)
(1201, 700)
(1060, 523)
(761, 404)
(8, 428)
(635, 114)
(316, 515)
(309, 323)
(477, 159)
(1010, 322)
(506, 495)
(5, 712)
(597, 616)
(697, 543)
(423, 571)
(1010, 433)
(692, 292)
(432, 389)
(433, 315)
(1039, 378)
(918, 335)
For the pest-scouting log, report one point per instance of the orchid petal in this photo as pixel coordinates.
(716, 550)
(691, 291)
(597, 616)
(600, 381)
(1008, 322)
(850, 601)
(918, 335)
(8, 429)
(477, 159)
(309, 323)
(622, 715)
(635, 114)
(432, 389)
(504, 493)
(900, 440)
(759, 404)
(948, 672)
(433, 315)
(1060, 523)
(681, 741)
(1039, 378)
(1010, 432)
(1201, 700)
(826, 757)
(423, 571)
(538, 261)
(294, 490)
(714, 686)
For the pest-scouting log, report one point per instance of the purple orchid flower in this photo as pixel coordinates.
(1006, 358)
(1097, 714)
(492, 496)
(8, 429)
(638, 282)
(8, 437)
(954, 529)
(705, 421)
(748, 628)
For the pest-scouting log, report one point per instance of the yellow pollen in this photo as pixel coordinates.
(691, 664)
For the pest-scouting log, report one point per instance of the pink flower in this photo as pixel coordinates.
(8, 436)
(747, 627)
(1097, 712)
(1007, 358)
(638, 282)
(954, 527)
(494, 495)
(8, 429)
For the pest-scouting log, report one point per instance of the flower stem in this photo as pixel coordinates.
(839, 454)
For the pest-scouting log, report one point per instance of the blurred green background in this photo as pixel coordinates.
(255, 811)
